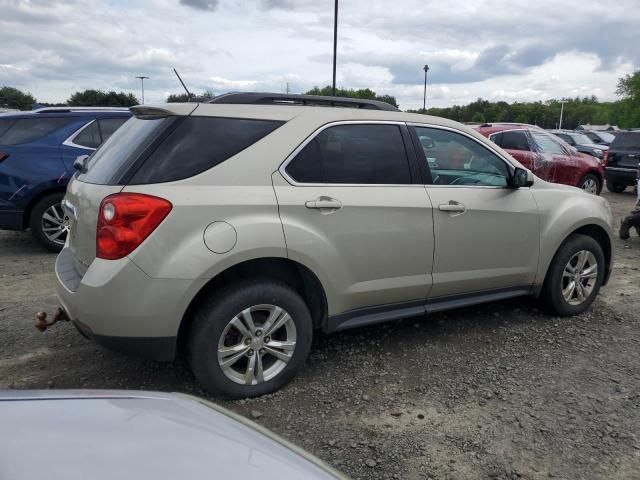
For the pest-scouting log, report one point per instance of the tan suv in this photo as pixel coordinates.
(232, 230)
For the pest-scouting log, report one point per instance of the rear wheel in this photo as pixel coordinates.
(574, 276)
(590, 183)
(616, 187)
(47, 222)
(250, 339)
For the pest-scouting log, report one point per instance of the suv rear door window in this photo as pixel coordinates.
(201, 143)
(626, 141)
(353, 154)
(515, 140)
(25, 130)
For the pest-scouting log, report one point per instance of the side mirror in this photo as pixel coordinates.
(80, 163)
(521, 178)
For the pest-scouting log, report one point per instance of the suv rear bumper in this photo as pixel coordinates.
(625, 176)
(120, 307)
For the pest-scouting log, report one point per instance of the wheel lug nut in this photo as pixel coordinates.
(250, 353)
(262, 351)
(258, 332)
(247, 341)
(267, 339)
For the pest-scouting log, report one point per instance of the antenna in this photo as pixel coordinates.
(183, 86)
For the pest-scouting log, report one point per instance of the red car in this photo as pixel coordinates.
(547, 156)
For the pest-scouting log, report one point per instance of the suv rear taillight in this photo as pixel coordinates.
(125, 220)
(3, 156)
(605, 159)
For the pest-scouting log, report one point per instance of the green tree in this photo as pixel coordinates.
(99, 98)
(177, 98)
(13, 98)
(183, 98)
(478, 117)
(365, 93)
(629, 87)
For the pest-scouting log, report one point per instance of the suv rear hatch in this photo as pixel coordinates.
(107, 171)
(624, 151)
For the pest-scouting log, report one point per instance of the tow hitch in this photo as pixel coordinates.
(41, 319)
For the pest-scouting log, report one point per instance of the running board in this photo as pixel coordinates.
(384, 313)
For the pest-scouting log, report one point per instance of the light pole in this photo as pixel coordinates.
(335, 44)
(424, 99)
(562, 102)
(142, 79)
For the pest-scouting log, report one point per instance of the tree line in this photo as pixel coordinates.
(624, 112)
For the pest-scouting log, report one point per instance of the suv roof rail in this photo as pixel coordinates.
(78, 109)
(306, 100)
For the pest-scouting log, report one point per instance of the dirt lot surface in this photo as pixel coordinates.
(499, 391)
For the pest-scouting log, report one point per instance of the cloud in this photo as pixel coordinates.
(497, 49)
(207, 5)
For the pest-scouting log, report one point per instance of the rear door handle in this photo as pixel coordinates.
(323, 203)
(452, 207)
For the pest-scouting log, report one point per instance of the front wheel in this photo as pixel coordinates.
(590, 183)
(574, 276)
(616, 187)
(47, 222)
(250, 339)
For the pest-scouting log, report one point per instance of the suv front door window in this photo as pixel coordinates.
(351, 184)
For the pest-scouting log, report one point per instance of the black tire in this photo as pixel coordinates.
(552, 289)
(591, 177)
(616, 187)
(213, 316)
(36, 225)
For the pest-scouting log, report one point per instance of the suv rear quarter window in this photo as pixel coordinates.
(201, 143)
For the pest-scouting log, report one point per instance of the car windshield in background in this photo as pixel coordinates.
(580, 138)
(627, 141)
(112, 159)
(606, 136)
(25, 130)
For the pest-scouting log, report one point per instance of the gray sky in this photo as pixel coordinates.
(494, 49)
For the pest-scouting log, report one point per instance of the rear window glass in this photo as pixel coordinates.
(111, 161)
(25, 130)
(198, 144)
(626, 141)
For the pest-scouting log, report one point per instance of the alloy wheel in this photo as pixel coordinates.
(257, 344)
(53, 224)
(579, 277)
(590, 185)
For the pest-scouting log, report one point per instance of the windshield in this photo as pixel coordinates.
(627, 141)
(580, 138)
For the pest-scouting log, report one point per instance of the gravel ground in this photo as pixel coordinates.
(499, 391)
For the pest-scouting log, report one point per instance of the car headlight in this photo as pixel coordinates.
(598, 153)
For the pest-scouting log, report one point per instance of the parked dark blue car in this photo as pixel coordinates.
(37, 151)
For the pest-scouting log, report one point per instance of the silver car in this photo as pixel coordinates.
(107, 435)
(231, 231)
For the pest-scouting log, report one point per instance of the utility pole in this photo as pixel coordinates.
(424, 99)
(142, 79)
(287, 88)
(335, 44)
(562, 102)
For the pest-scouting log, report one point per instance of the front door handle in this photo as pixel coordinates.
(323, 203)
(452, 207)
